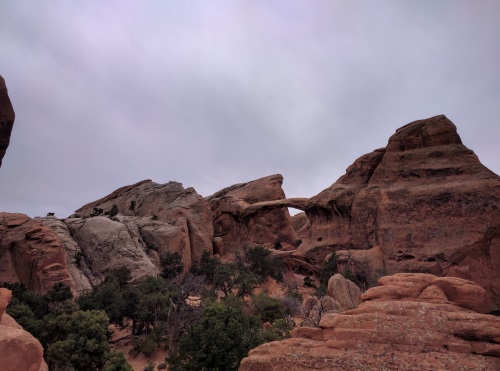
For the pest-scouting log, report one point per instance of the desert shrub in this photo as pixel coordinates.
(219, 340)
(329, 268)
(261, 262)
(291, 304)
(268, 309)
(113, 211)
(116, 362)
(171, 264)
(279, 330)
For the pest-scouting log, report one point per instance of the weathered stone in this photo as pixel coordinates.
(254, 212)
(19, 350)
(164, 202)
(7, 117)
(108, 245)
(344, 291)
(76, 264)
(30, 252)
(408, 333)
(424, 204)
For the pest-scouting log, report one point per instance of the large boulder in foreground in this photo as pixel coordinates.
(7, 117)
(30, 252)
(422, 204)
(410, 322)
(19, 350)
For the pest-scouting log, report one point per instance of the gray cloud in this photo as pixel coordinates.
(215, 93)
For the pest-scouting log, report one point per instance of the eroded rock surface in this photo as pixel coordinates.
(422, 204)
(168, 202)
(409, 322)
(19, 350)
(107, 245)
(254, 212)
(30, 252)
(7, 117)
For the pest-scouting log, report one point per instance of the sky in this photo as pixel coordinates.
(213, 93)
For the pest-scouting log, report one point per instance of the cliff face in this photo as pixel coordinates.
(30, 252)
(422, 204)
(7, 117)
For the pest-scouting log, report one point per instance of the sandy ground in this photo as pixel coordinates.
(120, 342)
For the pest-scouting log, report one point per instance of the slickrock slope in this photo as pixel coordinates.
(422, 204)
(31, 253)
(19, 350)
(254, 212)
(408, 322)
(168, 202)
(7, 117)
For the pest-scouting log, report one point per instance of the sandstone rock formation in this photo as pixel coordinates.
(7, 117)
(31, 253)
(76, 264)
(344, 291)
(107, 245)
(410, 322)
(422, 204)
(254, 212)
(301, 226)
(168, 202)
(19, 350)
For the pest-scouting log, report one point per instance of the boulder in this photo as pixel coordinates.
(109, 244)
(422, 204)
(7, 117)
(19, 350)
(394, 329)
(30, 252)
(344, 291)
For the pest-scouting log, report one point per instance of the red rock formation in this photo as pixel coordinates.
(7, 117)
(254, 212)
(168, 202)
(410, 322)
(31, 253)
(422, 204)
(19, 350)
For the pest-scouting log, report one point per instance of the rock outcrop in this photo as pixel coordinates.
(422, 204)
(108, 245)
(168, 202)
(254, 212)
(344, 291)
(7, 117)
(19, 350)
(30, 252)
(409, 322)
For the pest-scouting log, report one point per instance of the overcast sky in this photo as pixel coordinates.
(213, 93)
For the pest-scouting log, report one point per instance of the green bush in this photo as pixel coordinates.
(116, 362)
(329, 268)
(218, 341)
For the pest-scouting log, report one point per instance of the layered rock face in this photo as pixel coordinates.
(30, 252)
(169, 203)
(254, 212)
(408, 322)
(422, 204)
(7, 117)
(19, 350)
